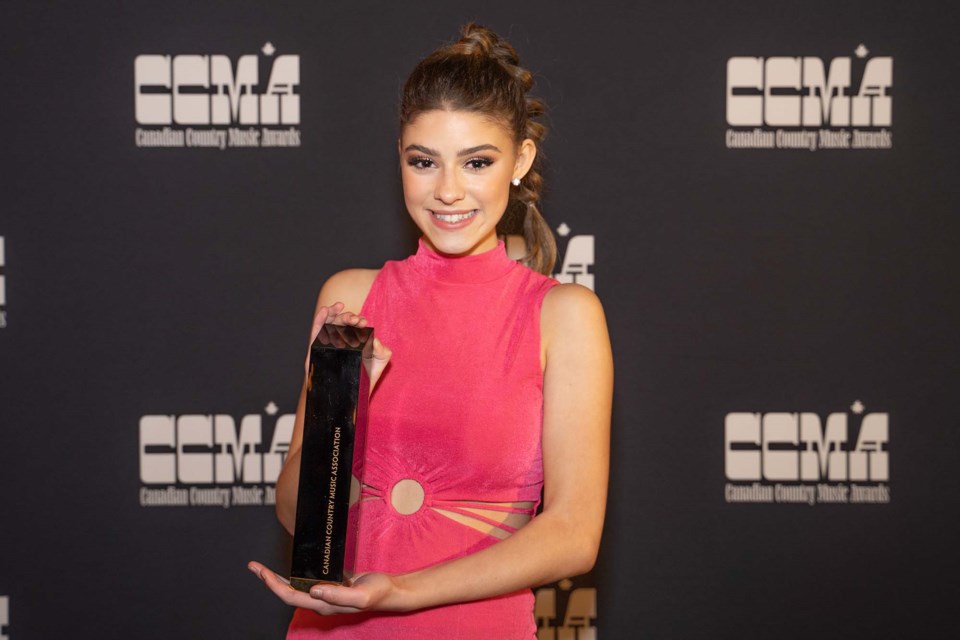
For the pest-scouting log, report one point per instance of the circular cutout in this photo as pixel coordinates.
(407, 496)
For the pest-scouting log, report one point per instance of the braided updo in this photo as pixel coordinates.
(481, 73)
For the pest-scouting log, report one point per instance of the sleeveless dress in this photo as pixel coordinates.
(459, 411)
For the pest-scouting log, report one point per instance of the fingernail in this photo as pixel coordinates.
(316, 593)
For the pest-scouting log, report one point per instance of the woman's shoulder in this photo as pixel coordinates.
(570, 309)
(349, 286)
(571, 298)
(573, 330)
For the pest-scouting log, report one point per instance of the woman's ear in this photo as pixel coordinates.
(525, 156)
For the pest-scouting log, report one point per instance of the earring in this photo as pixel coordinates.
(515, 182)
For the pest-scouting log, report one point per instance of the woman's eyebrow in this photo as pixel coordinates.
(422, 149)
(481, 147)
(463, 152)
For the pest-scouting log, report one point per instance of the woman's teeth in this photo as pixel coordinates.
(454, 217)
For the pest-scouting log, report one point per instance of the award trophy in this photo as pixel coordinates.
(324, 538)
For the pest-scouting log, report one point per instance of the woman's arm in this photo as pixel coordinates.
(562, 540)
(340, 300)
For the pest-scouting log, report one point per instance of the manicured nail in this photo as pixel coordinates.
(316, 593)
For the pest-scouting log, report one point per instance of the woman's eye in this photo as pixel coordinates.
(479, 163)
(420, 162)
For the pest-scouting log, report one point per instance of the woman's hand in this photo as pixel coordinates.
(375, 360)
(334, 314)
(369, 592)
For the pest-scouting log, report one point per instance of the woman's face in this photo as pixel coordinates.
(456, 168)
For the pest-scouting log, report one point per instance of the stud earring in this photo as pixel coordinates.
(515, 182)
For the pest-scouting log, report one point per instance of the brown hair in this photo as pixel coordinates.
(481, 73)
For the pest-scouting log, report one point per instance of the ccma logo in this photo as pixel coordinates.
(803, 103)
(3, 284)
(192, 100)
(211, 460)
(4, 617)
(578, 258)
(566, 613)
(796, 457)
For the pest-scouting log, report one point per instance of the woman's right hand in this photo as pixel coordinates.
(375, 360)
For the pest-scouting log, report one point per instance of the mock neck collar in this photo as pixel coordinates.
(474, 269)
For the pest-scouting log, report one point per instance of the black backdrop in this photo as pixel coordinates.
(178, 282)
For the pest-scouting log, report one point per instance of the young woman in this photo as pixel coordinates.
(490, 381)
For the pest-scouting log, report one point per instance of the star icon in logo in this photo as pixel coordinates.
(563, 229)
(861, 51)
(857, 407)
(271, 408)
(268, 49)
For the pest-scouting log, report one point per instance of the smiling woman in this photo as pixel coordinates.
(494, 393)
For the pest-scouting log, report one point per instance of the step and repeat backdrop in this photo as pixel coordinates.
(764, 196)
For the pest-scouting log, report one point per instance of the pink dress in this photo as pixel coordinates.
(459, 411)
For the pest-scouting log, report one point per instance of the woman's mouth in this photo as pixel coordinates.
(453, 217)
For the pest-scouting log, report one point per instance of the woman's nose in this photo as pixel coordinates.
(448, 188)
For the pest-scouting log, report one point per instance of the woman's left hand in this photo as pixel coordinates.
(368, 592)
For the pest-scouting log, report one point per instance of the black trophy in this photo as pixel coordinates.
(324, 536)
